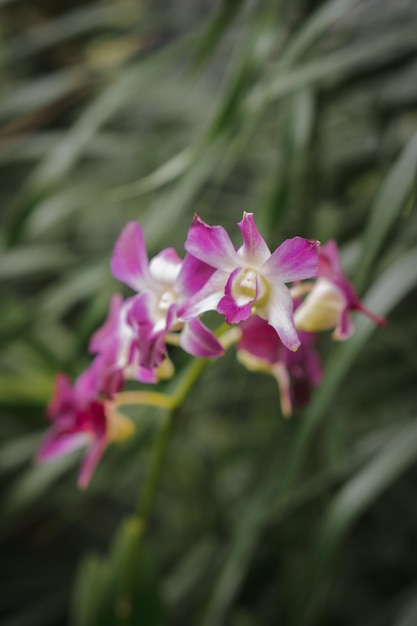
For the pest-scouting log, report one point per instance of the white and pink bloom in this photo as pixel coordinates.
(248, 280)
(116, 343)
(84, 415)
(261, 350)
(332, 299)
(153, 312)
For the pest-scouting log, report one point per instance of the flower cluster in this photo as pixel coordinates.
(277, 300)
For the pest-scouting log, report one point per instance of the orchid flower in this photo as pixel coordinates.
(116, 342)
(260, 349)
(153, 312)
(248, 280)
(84, 414)
(331, 299)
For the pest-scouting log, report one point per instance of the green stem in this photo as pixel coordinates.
(147, 398)
(146, 498)
(187, 381)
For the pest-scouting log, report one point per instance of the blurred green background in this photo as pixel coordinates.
(305, 113)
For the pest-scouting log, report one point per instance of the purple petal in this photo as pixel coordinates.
(212, 245)
(138, 314)
(97, 419)
(90, 382)
(233, 314)
(260, 340)
(129, 262)
(278, 311)
(113, 383)
(151, 343)
(165, 266)
(282, 377)
(254, 249)
(329, 260)
(90, 461)
(354, 304)
(344, 328)
(55, 444)
(330, 269)
(198, 340)
(206, 299)
(146, 375)
(381, 321)
(63, 400)
(193, 276)
(313, 368)
(114, 345)
(108, 331)
(236, 309)
(295, 259)
(152, 349)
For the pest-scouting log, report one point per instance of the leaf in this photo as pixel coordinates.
(32, 388)
(289, 182)
(385, 294)
(176, 202)
(121, 91)
(243, 544)
(46, 611)
(227, 13)
(30, 486)
(74, 286)
(64, 27)
(41, 92)
(92, 603)
(24, 261)
(352, 500)
(59, 161)
(393, 195)
(106, 593)
(408, 614)
(335, 65)
(17, 451)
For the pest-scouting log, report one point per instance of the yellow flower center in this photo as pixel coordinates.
(246, 285)
(167, 298)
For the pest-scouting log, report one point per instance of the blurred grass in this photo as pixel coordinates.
(304, 112)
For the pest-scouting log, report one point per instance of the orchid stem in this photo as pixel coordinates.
(147, 398)
(145, 501)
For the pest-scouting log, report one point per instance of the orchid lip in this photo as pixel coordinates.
(244, 286)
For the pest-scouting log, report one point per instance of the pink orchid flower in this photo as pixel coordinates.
(260, 349)
(84, 415)
(116, 342)
(332, 299)
(248, 280)
(153, 312)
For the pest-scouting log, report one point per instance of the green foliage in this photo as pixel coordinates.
(306, 114)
